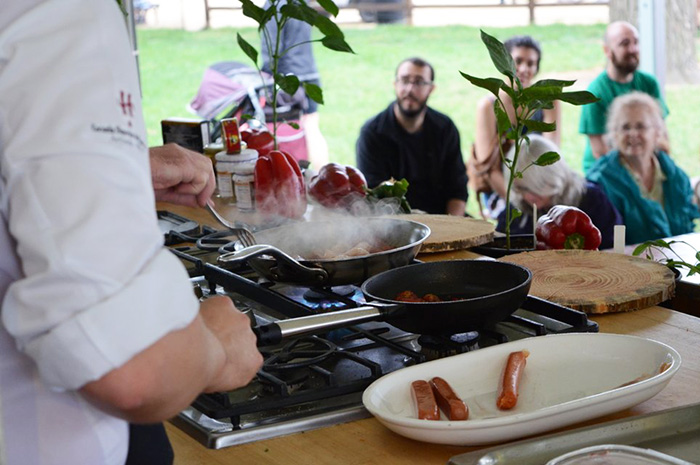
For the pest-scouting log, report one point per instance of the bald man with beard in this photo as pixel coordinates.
(413, 141)
(621, 76)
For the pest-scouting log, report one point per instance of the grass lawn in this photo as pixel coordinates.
(356, 87)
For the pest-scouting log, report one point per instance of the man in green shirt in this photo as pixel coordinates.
(621, 46)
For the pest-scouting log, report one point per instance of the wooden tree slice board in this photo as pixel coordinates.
(596, 282)
(448, 232)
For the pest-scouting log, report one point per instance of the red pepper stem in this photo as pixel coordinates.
(575, 241)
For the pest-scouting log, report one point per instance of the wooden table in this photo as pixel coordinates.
(368, 442)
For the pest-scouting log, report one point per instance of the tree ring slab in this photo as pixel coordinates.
(449, 232)
(596, 282)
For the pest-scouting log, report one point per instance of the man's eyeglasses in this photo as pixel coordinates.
(420, 83)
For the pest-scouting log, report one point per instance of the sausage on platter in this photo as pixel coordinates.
(511, 380)
(425, 400)
(448, 401)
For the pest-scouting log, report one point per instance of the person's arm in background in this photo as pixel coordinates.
(553, 115)
(181, 176)
(598, 145)
(456, 207)
(454, 173)
(485, 142)
(370, 155)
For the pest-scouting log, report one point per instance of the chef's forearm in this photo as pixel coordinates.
(163, 379)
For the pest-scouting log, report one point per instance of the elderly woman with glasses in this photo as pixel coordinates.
(556, 184)
(651, 192)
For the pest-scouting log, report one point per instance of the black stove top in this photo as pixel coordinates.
(316, 381)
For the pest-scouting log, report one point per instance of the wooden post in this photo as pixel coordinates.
(531, 7)
(206, 13)
(409, 12)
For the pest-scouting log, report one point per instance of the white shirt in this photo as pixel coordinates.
(85, 283)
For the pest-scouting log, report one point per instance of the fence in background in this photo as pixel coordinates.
(407, 6)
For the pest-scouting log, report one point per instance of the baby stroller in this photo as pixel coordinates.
(232, 89)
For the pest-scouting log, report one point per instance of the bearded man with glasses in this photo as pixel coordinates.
(413, 141)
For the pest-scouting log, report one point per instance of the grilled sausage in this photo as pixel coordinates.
(425, 400)
(448, 401)
(511, 379)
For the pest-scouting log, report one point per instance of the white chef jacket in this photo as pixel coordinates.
(85, 283)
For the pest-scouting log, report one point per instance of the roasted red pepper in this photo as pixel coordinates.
(337, 185)
(261, 140)
(565, 227)
(279, 185)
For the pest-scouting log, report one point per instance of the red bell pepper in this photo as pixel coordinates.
(279, 185)
(565, 227)
(337, 185)
(261, 140)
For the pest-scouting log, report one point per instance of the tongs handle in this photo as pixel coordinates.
(299, 271)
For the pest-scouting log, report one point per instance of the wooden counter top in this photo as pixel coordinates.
(368, 442)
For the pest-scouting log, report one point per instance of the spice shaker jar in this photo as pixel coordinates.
(227, 165)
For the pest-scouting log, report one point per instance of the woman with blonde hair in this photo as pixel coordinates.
(555, 184)
(651, 192)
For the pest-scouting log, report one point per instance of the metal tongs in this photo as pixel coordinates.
(246, 238)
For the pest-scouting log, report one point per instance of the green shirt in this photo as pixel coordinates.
(594, 115)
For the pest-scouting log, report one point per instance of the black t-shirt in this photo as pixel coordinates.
(430, 159)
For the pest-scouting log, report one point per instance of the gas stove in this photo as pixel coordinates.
(316, 381)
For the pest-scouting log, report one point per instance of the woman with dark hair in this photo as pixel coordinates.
(485, 173)
(651, 192)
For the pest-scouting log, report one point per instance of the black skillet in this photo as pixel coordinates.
(475, 293)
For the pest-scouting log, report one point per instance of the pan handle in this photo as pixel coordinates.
(273, 333)
(301, 272)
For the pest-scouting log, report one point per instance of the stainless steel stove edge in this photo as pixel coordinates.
(220, 440)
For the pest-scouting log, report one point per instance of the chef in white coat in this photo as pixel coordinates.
(99, 325)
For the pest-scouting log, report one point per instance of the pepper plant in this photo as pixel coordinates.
(669, 257)
(281, 11)
(526, 101)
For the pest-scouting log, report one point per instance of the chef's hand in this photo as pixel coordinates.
(232, 329)
(181, 176)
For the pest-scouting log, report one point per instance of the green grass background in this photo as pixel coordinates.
(356, 87)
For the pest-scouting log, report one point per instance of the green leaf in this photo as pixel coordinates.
(300, 11)
(313, 91)
(503, 123)
(336, 43)
(539, 126)
(515, 214)
(288, 83)
(499, 55)
(327, 27)
(493, 85)
(547, 158)
(292, 124)
(540, 93)
(329, 6)
(253, 11)
(553, 83)
(581, 97)
(248, 49)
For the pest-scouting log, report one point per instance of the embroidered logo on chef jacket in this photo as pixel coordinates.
(118, 133)
(125, 103)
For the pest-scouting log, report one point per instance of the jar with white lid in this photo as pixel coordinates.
(226, 166)
(244, 185)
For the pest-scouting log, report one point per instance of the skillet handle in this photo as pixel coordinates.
(298, 271)
(273, 333)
